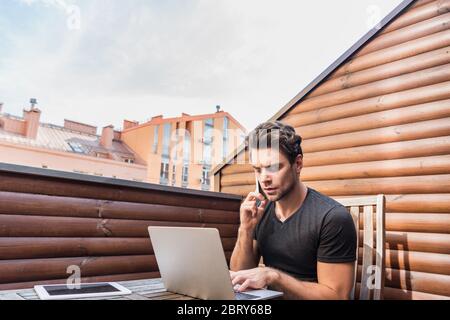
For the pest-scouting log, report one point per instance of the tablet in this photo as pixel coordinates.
(84, 290)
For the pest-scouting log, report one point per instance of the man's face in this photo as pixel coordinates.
(274, 172)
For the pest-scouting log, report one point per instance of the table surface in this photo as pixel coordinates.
(149, 289)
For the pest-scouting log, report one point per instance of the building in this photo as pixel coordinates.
(182, 151)
(175, 151)
(74, 147)
(377, 121)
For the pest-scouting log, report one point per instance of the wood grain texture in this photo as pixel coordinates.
(365, 133)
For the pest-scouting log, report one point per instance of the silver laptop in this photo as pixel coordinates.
(192, 262)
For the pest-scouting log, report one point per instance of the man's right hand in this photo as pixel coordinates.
(250, 213)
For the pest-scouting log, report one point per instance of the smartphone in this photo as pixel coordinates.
(259, 190)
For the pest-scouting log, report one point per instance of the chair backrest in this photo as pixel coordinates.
(372, 209)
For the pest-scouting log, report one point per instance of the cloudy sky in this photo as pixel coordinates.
(102, 61)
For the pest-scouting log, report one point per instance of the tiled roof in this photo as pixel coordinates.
(58, 138)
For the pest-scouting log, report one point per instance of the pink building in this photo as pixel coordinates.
(74, 147)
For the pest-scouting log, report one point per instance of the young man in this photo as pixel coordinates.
(307, 240)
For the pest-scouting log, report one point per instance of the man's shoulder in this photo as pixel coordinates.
(332, 212)
(325, 202)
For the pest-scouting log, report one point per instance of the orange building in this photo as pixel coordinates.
(182, 151)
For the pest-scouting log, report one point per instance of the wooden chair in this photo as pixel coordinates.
(372, 209)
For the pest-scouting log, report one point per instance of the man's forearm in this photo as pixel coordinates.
(295, 289)
(243, 256)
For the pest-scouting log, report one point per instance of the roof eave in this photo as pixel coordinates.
(336, 64)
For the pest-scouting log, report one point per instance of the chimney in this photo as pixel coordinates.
(218, 109)
(80, 127)
(1, 107)
(32, 118)
(117, 135)
(127, 124)
(157, 117)
(107, 137)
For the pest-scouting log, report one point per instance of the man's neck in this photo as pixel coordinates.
(291, 202)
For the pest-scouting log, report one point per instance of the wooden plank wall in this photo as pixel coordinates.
(381, 124)
(48, 224)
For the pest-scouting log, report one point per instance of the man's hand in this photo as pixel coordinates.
(250, 213)
(255, 279)
(329, 286)
(245, 254)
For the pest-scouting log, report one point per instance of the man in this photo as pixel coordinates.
(307, 240)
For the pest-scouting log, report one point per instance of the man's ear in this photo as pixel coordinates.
(299, 163)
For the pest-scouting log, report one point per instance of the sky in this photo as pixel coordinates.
(103, 61)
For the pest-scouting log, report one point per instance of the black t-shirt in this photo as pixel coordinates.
(321, 230)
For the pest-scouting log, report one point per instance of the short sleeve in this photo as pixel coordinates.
(337, 237)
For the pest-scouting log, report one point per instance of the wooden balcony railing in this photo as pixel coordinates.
(52, 220)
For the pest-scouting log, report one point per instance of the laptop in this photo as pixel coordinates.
(192, 263)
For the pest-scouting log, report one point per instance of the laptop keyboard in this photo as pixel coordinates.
(244, 296)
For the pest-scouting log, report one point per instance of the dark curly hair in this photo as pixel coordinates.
(276, 133)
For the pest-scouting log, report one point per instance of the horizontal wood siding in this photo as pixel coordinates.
(48, 224)
(380, 124)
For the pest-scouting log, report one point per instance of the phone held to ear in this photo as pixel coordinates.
(259, 190)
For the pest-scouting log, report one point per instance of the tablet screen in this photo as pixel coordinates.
(83, 289)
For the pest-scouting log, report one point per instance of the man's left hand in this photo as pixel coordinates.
(255, 279)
